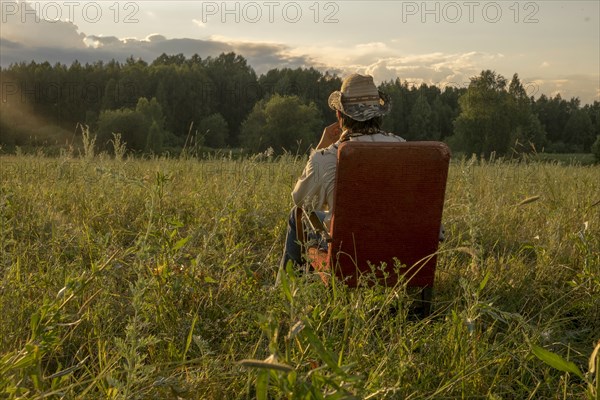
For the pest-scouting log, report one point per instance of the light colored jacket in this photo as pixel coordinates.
(314, 188)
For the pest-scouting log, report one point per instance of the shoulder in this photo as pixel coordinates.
(324, 155)
(379, 137)
(387, 136)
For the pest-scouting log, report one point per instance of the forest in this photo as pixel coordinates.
(219, 102)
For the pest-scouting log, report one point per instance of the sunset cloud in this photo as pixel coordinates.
(32, 32)
(199, 23)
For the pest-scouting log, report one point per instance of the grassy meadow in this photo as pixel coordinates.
(141, 279)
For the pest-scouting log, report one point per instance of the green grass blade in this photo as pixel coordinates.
(556, 361)
(190, 336)
(319, 347)
(262, 384)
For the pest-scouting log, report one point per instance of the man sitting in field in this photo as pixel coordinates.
(359, 107)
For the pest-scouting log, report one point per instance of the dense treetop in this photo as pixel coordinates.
(220, 101)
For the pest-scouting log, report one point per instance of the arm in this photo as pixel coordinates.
(309, 182)
(314, 187)
(305, 186)
(331, 134)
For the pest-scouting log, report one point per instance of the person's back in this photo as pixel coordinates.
(359, 108)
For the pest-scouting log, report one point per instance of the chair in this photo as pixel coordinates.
(385, 226)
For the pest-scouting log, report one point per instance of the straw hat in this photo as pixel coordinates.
(359, 98)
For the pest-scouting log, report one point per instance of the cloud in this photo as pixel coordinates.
(436, 68)
(24, 26)
(89, 49)
(33, 38)
(586, 87)
(386, 63)
(9, 44)
(199, 23)
(155, 37)
(101, 41)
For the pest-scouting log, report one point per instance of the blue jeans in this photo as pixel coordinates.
(292, 250)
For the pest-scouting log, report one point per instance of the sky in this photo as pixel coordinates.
(553, 45)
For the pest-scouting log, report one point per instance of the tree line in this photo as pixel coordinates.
(220, 102)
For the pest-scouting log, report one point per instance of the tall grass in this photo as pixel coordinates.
(127, 279)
